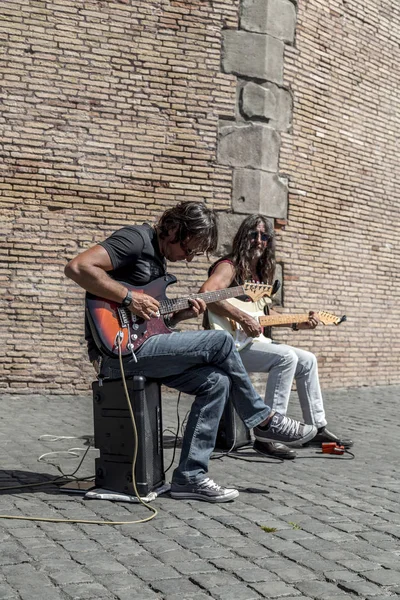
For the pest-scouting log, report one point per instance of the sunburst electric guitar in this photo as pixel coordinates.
(256, 310)
(113, 325)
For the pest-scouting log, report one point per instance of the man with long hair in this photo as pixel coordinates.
(253, 259)
(200, 363)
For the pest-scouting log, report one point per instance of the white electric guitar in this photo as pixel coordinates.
(256, 310)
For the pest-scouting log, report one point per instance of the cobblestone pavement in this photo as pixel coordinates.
(319, 527)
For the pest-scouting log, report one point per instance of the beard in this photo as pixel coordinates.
(257, 253)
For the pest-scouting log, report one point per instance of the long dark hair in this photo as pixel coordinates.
(242, 250)
(192, 220)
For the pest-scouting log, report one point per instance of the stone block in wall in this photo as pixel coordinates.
(267, 101)
(228, 224)
(255, 146)
(256, 191)
(252, 55)
(274, 17)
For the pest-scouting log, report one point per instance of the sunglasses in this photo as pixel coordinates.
(254, 236)
(189, 252)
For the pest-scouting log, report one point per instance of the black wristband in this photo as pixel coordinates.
(295, 327)
(127, 301)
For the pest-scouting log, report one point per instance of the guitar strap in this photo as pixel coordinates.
(267, 330)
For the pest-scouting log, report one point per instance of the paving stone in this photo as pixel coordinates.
(62, 578)
(211, 552)
(41, 593)
(12, 554)
(275, 589)
(341, 576)
(7, 592)
(194, 566)
(142, 593)
(75, 547)
(359, 586)
(383, 597)
(29, 532)
(187, 596)
(359, 565)
(253, 551)
(154, 575)
(215, 580)
(172, 586)
(383, 576)
(254, 575)
(117, 582)
(177, 556)
(297, 573)
(24, 577)
(235, 592)
(320, 589)
(106, 565)
(234, 565)
(83, 591)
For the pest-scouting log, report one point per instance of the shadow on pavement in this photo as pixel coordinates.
(14, 482)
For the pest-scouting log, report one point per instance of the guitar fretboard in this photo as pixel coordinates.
(324, 317)
(173, 304)
(282, 319)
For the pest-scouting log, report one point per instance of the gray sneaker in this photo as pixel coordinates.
(285, 430)
(206, 490)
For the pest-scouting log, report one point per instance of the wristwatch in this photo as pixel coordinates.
(127, 300)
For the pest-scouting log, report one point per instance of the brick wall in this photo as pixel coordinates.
(341, 248)
(110, 114)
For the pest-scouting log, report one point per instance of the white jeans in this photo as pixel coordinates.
(285, 363)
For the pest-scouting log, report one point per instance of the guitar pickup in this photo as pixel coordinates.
(123, 315)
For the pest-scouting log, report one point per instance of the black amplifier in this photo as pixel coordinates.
(114, 437)
(232, 432)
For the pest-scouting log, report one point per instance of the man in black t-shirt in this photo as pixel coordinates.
(136, 259)
(201, 363)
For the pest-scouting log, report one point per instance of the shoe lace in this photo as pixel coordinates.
(289, 427)
(210, 484)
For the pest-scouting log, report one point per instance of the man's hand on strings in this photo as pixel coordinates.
(251, 327)
(144, 306)
(312, 322)
(197, 307)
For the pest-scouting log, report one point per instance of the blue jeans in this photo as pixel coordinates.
(285, 363)
(204, 364)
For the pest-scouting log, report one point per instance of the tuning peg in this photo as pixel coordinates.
(343, 319)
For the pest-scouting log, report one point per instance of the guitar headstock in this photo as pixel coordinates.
(329, 319)
(257, 290)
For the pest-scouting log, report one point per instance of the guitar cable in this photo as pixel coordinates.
(333, 455)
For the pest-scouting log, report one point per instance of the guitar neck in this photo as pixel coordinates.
(270, 320)
(171, 305)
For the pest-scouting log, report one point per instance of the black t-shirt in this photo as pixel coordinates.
(136, 259)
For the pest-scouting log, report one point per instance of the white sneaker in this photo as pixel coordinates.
(206, 489)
